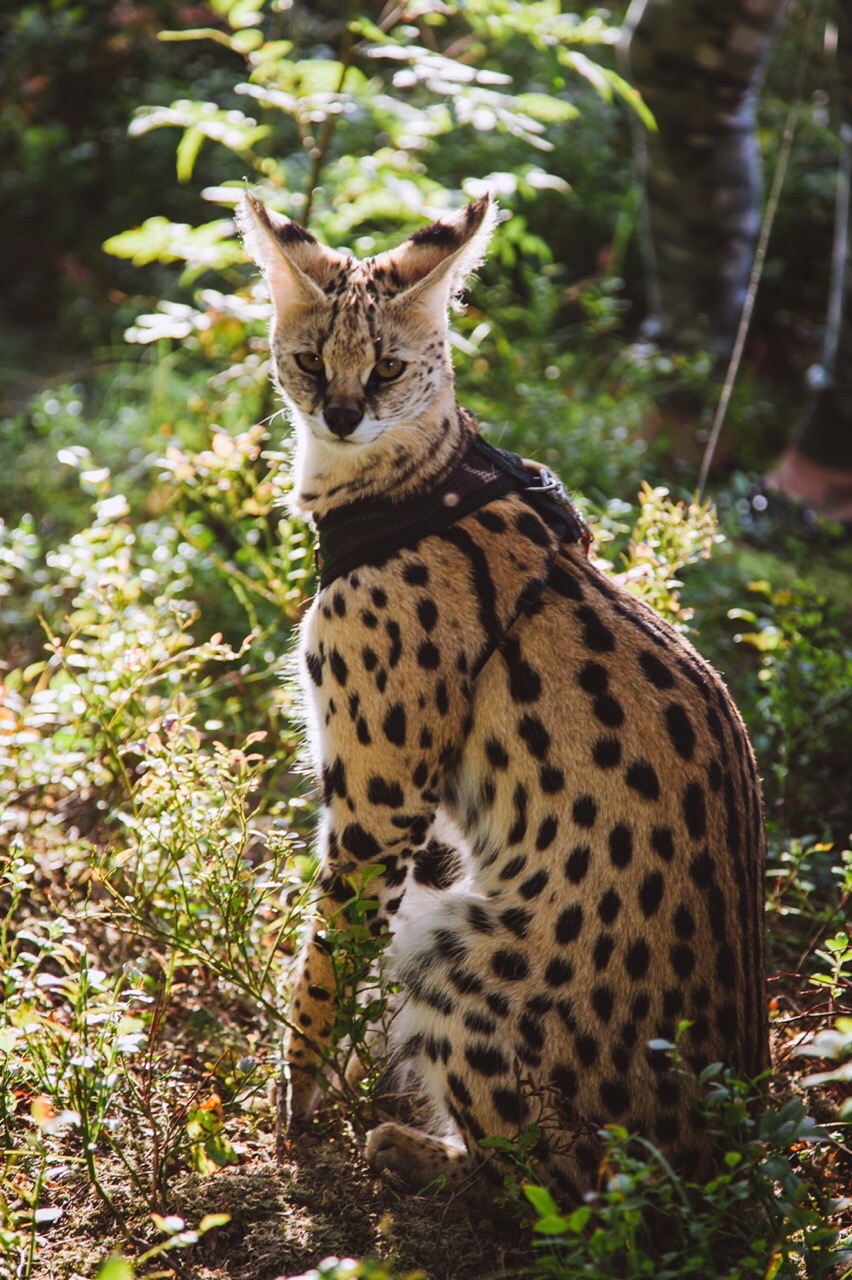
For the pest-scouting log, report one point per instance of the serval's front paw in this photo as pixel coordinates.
(300, 1095)
(415, 1159)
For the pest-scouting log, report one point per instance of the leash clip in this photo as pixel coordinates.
(547, 482)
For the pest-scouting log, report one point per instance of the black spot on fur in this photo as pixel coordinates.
(640, 1007)
(437, 866)
(596, 635)
(524, 681)
(339, 669)
(680, 730)
(528, 524)
(534, 734)
(498, 1004)
(415, 575)
(702, 870)
(465, 982)
(615, 1097)
(593, 678)
(682, 959)
(584, 811)
(587, 1050)
(380, 791)
(656, 671)
(694, 810)
(480, 918)
(334, 780)
(569, 924)
(427, 613)
(546, 833)
(565, 1080)
(486, 1060)
(636, 959)
(603, 1001)
(606, 753)
(513, 867)
(684, 922)
(531, 1030)
(642, 778)
(651, 893)
(394, 725)
(509, 1105)
(510, 965)
(491, 520)
(620, 845)
(564, 583)
(519, 827)
(608, 710)
(359, 843)
(602, 952)
(497, 755)
(662, 843)
(459, 1089)
(479, 1023)
(577, 863)
(516, 920)
(395, 637)
(609, 906)
(558, 973)
(552, 780)
(428, 656)
(532, 887)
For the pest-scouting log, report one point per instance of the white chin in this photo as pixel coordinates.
(365, 433)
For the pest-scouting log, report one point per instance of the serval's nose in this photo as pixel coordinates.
(342, 419)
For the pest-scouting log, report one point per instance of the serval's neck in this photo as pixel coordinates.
(398, 465)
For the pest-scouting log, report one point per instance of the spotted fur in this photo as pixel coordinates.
(571, 841)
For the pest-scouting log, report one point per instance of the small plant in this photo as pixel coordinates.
(758, 1216)
(833, 1045)
(666, 537)
(801, 720)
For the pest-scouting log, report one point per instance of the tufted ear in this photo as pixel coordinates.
(435, 263)
(296, 266)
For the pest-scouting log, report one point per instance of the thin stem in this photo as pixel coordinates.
(320, 151)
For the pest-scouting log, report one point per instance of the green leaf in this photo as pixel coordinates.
(116, 1268)
(552, 1225)
(544, 107)
(187, 153)
(246, 41)
(211, 1220)
(244, 13)
(541, 1200)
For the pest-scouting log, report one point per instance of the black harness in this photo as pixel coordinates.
(369, 532)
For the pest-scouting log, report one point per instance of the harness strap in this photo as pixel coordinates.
(368, 532)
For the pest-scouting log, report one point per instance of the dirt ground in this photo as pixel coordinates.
(286, 1219)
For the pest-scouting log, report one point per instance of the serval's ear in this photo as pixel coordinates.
(296, 266)
(435, 263)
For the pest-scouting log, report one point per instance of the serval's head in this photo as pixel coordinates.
(360, 350)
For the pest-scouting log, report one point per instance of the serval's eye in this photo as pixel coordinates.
(389, 368)
(309, 361)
